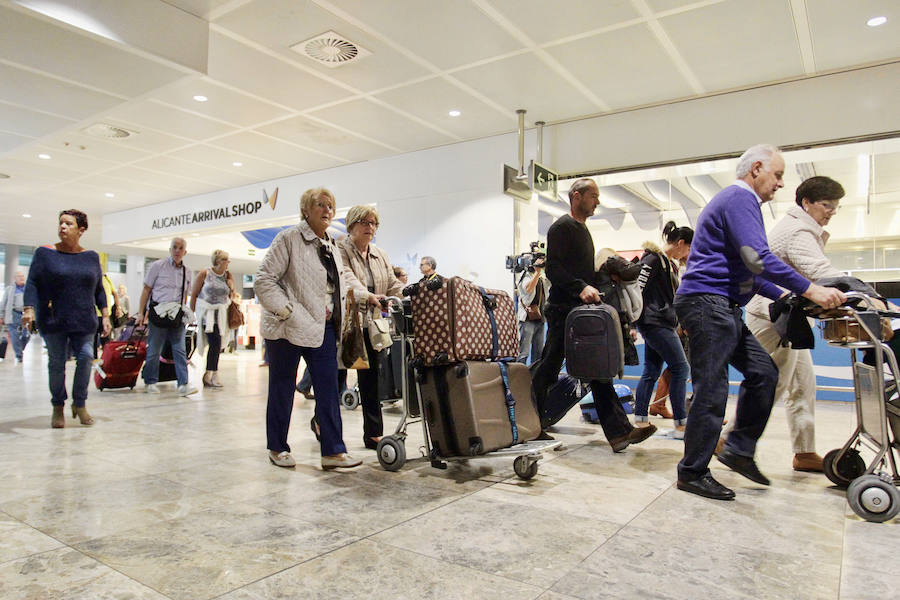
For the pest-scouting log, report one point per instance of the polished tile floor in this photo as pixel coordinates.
(169, 497)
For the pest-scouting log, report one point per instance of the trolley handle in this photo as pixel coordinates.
(870, 302)
(394, 301)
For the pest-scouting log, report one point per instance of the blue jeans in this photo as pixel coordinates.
(718, 337)
(57, 353)
(284, 358)
(18, 334)
(661, 344)
(156, 337)
(531, 341)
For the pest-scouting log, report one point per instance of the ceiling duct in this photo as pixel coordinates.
(107, 131)
(331, 49)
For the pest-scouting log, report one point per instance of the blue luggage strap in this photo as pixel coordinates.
(510, 401)
(489, 305)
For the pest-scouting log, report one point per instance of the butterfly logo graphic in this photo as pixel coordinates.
(270, 200)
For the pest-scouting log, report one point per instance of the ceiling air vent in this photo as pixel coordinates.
(107, 131)
(331, 49)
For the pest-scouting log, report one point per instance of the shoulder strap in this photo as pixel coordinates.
(510, 400)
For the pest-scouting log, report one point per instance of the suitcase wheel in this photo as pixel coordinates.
(461, 370)
(525, 468)
(350, 399)
(391, 453)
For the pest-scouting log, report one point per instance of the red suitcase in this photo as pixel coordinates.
(455, 320)
(121, 362)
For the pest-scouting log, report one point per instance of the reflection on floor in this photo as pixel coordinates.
(169, 497)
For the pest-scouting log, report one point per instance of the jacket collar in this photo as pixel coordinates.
(808, 222)
(347, 243)
(309, 236)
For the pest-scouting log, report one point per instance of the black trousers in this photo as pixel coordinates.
(613, 419)
(718, 337)
(213, 348)
(373, 425)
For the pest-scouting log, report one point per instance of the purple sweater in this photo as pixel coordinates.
(730, 254)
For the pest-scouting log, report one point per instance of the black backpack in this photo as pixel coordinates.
(594, 346)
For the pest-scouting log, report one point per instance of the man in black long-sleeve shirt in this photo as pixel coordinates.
(570, 268)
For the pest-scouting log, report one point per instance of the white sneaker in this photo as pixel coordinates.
(281, 459)
(215, 379)
(152, 388)
(342, 461)
(186, 390)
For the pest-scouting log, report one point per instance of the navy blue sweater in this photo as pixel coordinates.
(65, 290)
(730, 254)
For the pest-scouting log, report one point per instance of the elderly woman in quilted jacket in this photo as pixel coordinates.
(372, 269)
(301, 285)
(799, 240)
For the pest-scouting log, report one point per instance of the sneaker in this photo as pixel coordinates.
(186, 390)
(281, 459)
(342, 461)
(152, 388)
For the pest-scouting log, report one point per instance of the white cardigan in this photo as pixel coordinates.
(800, 242)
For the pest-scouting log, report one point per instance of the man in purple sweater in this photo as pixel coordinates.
(729, 262)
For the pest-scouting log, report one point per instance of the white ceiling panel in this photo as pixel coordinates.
(122, 187)
(623, 82)
(312, 134)
(108, 150)
(217, 177)
(433, 99)
(124, 196)
(144, 138)
(543, 22)
(43, 93)
(277, 151)
(236, 64)
(14, 119)
(11, 141)
(722, 43)
(447, 33)
(70, 158)
(76, 57)
(220, 158)
(525, 81)
(658, 6)
(200, 8)
(171, 120)
(379, 123)
(140, 176)
(224, 104)
(842, 38)
(25, 170)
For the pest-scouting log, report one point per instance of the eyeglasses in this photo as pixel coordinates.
(373, 224)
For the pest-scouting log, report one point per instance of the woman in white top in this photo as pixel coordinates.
(210, 295)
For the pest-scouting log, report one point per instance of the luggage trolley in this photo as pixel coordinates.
(392, 448)
(871, 491)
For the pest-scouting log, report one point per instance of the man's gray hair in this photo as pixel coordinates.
(430, 260)
(759, 153)
(579, 186)
(177, 239)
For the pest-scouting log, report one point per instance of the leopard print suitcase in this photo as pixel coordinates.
(456, 320)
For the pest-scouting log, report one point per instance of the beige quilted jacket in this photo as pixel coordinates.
(385, 282)
(800, 242)
(292, 272)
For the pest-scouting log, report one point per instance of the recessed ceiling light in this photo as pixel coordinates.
(876, 21)
(195, 234)
(110, 195)
(199, 98)
(454, 113)
(44, 156)
(237, 164)
(26, 216)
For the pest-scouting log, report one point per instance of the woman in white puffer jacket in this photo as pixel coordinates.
(799, 240)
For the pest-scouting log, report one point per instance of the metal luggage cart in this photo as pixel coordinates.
(871, 491)
(392, 448)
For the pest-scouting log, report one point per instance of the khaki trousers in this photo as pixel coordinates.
(796, 384)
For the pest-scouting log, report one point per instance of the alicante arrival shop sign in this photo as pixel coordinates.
(205, 216)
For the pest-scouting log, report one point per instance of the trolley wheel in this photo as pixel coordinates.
(873, 498)
(391, 453)
(350, 399)
(842, 472)
(524, 468)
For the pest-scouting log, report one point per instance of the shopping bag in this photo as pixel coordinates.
(353, 345)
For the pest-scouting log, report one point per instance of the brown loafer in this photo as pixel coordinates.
(808, 461)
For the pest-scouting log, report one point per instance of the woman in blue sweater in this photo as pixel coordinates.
(64, 288)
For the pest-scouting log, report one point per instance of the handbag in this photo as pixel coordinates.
(235, 316)
(533, 312)
(168, 322)
(353, 345)
(380, 333)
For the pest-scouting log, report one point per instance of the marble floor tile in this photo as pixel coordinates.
(66, 574)
(633, 564)
(514, 541)
(18, 540)
(367, 569)
(210, 552)
(871, 559)
(97, 510)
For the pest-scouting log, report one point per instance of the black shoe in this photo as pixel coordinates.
(707, 487)
(744, 465)
(314, 425)
(545, 436)
(370, 443)
(635, 436)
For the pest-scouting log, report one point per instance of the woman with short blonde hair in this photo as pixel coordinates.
(211, 291)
